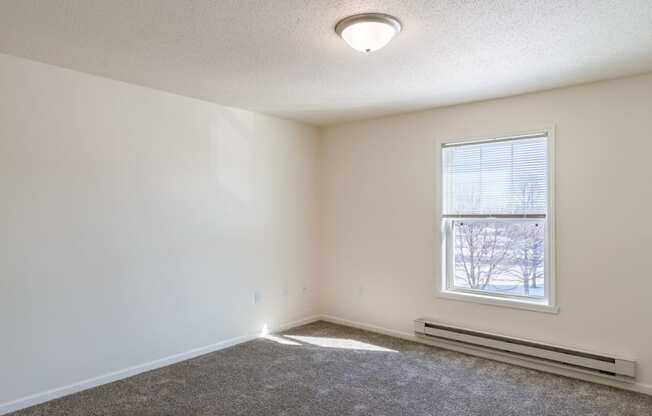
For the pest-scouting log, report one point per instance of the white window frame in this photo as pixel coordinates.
(548, 303)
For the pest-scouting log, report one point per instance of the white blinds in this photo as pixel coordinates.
(496, 178)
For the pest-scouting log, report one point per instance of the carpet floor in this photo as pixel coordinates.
(326, 369)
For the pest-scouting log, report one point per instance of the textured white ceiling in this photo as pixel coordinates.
(282, 56)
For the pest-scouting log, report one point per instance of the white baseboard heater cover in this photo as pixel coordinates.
(586, 362)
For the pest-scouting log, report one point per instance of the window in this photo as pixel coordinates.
(496, 215)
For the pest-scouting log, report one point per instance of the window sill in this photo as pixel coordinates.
(496, 301)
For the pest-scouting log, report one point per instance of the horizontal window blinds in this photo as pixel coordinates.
(500, 178)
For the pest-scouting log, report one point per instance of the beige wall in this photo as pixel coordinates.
(379, 238)
(136, 224)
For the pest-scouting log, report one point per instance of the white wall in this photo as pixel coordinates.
(136, 224)
(379, 241)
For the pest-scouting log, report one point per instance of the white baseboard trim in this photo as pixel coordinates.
(636, 387)
(59, 392)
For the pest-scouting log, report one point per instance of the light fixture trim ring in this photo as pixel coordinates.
(368, 17)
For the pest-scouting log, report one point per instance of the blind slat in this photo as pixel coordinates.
(501, 177)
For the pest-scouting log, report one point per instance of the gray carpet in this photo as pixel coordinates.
(326, 369)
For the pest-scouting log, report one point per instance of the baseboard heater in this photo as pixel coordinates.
(570, 359)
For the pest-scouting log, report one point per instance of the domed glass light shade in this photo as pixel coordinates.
(368, 32)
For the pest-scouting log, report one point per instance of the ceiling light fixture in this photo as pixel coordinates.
(368, 32)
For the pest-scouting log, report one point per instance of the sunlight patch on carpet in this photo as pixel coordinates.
(343, 343)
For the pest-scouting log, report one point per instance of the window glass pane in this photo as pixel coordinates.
(503, 177)
(500, 257)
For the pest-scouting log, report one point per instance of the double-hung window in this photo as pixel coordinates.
(496, 221)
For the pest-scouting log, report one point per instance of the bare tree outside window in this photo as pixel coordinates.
(527, 255)
(482, 250)
(501, 257)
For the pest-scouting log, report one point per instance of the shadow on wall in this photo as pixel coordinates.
(233, 159)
